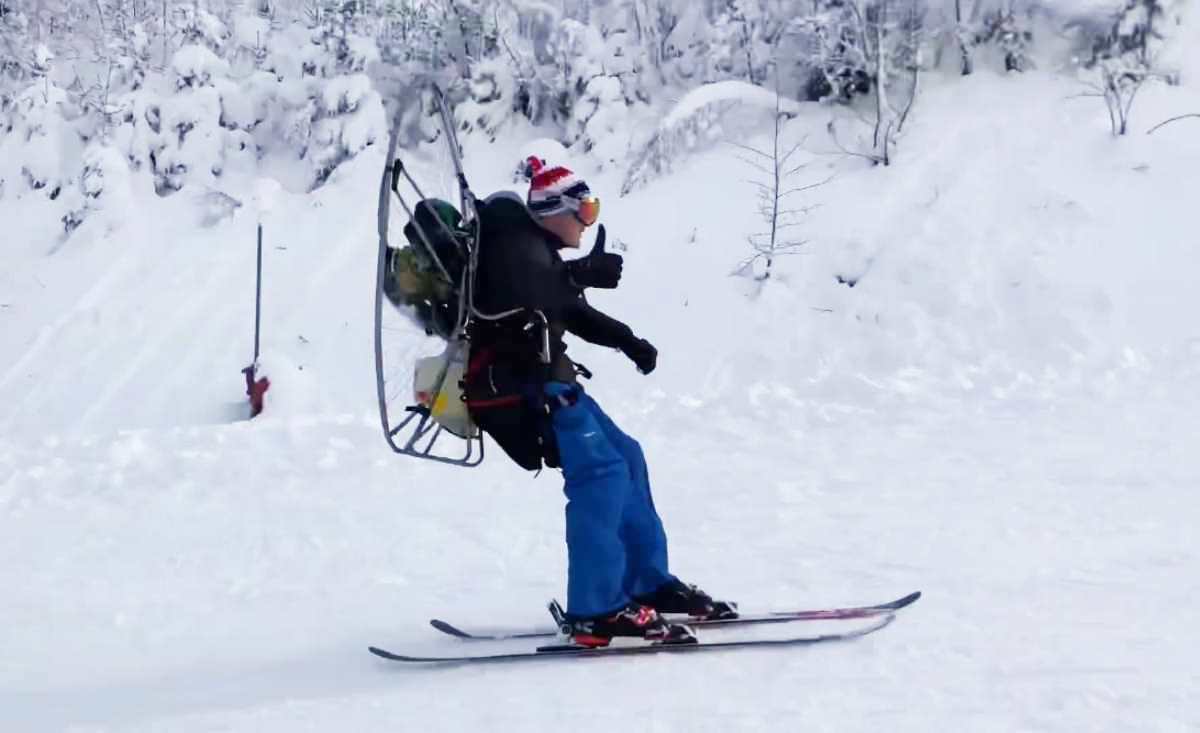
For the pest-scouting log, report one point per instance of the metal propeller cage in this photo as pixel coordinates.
(415, 431)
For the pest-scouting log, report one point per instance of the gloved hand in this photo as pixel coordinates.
(599, 269)
(643, 354)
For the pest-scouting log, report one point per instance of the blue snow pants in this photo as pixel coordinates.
(616, 546)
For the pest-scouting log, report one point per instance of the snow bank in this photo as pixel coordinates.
(723, 92)
(702, 118)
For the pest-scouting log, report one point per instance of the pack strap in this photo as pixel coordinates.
(565, 398)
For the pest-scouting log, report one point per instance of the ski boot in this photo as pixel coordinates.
(675, 596)
(635, 620)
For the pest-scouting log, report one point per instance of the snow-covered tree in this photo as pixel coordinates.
(519, 76)
(964, 39)
(470, 35)
(410, 34)
(347, 117)
(1008, 28)
(340, 30)
(40, 147)
(834, 52)
(887, 38)
(1138, 31)
(593, 89)
(493, 98)
(1117, 81)
(599, 121)
(185, 89)
(190, 144)
(746, 36)
(655, 23)
(104, 184)
(1125, 58)
(576, 53)
(197, 26)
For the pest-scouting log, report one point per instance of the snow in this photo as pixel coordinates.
(724, 91)
(38, 152)
(494, 83)
(1001, 413)
(346, 93)
(241, 107)
(710, 114)
(196, 65)
(42, 56)
(251, 31)
(602, 120)
(544, 148)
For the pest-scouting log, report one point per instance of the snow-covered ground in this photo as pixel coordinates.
(1000, 413)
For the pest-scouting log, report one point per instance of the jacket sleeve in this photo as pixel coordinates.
(595, 327)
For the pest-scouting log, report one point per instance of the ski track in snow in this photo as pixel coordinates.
(1056, 568)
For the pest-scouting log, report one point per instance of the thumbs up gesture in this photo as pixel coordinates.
(599, 269)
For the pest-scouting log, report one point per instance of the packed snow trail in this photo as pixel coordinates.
(192, 584)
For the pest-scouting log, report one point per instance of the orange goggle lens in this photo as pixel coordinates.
(589, 210)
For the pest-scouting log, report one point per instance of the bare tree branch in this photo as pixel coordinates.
(749, 149)
(792, 151)
(756, 166)
(844, 150)
(796, 212)
(807, 187)
(1167, 122)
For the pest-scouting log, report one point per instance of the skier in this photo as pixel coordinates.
(522, 389)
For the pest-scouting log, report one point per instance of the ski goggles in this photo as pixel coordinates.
(586, 209)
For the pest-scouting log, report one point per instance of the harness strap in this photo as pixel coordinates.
(563, 399)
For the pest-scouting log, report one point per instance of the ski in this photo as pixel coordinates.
(568, 650)
(828, 614)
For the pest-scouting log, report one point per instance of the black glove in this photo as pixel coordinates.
(599, 269)
(643, 354)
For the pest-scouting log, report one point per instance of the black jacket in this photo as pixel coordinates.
(520, 267)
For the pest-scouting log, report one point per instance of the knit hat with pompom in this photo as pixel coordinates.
(553, 190)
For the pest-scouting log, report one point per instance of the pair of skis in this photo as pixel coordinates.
(882, 613)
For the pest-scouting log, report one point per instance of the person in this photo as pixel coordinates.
(618, 579)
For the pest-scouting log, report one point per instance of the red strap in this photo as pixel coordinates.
(497, 402)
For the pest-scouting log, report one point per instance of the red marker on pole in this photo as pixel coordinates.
(256, 388)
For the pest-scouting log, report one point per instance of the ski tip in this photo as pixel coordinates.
(381, 652)
(907, 600)
(446, 628)
(394, 657)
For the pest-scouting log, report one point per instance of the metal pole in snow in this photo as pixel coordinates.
(258, 296)
(256, 388)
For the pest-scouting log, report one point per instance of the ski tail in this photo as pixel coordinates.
(452, 630)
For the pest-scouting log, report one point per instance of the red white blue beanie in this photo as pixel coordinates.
(553, 190)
